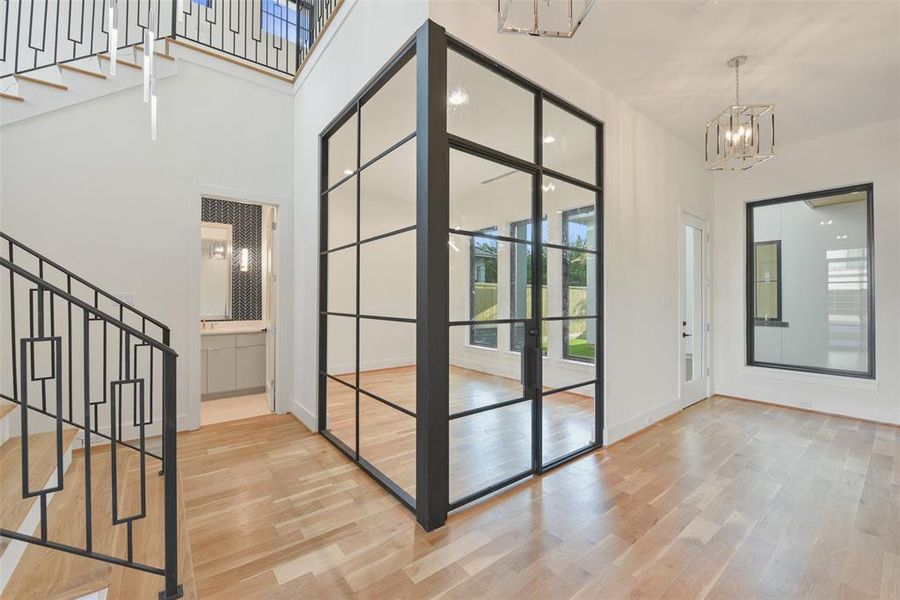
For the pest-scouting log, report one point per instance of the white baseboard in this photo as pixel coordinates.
(804, 401)
(303, 415)
(616, 432)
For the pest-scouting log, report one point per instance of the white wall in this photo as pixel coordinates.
(650, 176)
(862, 155)
(86, 186)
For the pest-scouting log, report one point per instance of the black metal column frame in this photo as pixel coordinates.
(600, 344)
(433, 274)
(532, 354)
(750, 325)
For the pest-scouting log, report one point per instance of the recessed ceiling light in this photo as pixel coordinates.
(457, 97)
(348, 171)
(549, 139)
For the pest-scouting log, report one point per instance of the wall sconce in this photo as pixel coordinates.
(245, 260)
(217, 252)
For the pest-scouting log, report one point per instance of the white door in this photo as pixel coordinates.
(272, 300)
(694, 330)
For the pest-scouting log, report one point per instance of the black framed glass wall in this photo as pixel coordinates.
(368, 280)
(478, 341)
(810, 302)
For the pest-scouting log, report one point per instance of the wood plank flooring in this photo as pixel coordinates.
(728, 499)
(484, 448)
(45, 574)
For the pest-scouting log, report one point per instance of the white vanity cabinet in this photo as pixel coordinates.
(233, 362)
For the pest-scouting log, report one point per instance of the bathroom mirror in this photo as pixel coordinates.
(215, 271)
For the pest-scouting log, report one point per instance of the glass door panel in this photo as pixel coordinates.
(570, 316)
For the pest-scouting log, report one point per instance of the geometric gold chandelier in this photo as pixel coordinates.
(543, 18)
(743, 135)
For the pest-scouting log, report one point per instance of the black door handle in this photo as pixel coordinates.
(684, 335)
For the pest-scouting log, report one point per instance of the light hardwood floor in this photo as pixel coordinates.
(484, 448)
(727, 499)
(221, 410)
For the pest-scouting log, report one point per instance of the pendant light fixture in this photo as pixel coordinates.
(743, 135)
(543, 18)
(112, 32)
(149, 67)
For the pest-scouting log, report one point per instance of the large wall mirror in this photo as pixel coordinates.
(215, 271)
(809, 282)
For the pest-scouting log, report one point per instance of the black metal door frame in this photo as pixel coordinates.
(431, 46)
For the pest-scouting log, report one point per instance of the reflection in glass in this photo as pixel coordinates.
(388, 192)
(488, 447)
(341, 203)
(474, 384)
(342, 281)
(342, 151)
(483, 302)
(811, 275)
(576, 207)
(489, 109)
(387, 440)
(486, 193)
(388, 276)
(341, 411)
(389, 115)
(342, 348)
(387, 361)
(570, 144)
(767, 257)
(520, 281)
(580, 339)
(568, 421)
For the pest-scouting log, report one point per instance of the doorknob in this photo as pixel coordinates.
(684, 335)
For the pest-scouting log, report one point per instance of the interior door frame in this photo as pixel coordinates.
(192, 353)
(690, 216)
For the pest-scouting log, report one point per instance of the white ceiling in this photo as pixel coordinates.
(826, 65)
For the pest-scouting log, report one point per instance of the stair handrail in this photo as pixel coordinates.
(168, 456)
(14, 243)
(18, 270)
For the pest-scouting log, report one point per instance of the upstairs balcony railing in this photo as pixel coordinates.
(275, 35)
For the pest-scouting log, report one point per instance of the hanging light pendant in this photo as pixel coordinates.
(544, 18)
(112, 32)
(149, 68)
(743, 135)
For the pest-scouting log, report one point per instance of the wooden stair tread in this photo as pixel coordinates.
(41, 464)
(9, 96)
(6, 407)
(45, 573)
(83, 71)
(119, 61)
(44, 82)
(157, 53)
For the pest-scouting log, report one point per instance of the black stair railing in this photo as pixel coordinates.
(274, 34)
(70, 363)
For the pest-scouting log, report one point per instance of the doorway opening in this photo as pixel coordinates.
(237, 310)
(694, 302)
